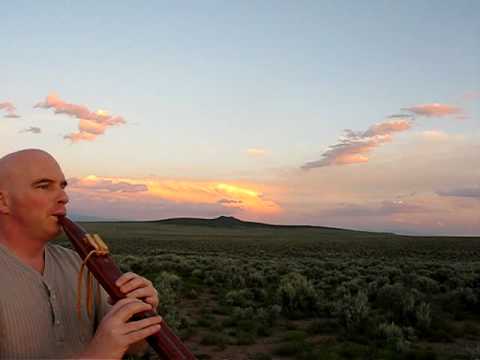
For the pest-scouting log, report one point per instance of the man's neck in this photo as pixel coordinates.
(28, 251)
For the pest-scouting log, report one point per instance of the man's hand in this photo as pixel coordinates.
(137, 287)
(116, 333)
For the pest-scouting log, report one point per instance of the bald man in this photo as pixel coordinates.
(38, 279)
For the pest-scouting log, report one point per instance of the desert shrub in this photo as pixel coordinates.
(167, 280)
(423, 316)
(245, 337)
(296, 295)
(255, 279)
(167, 285)
(197, 273)
(394, 337)
(241, 298)
(426, 284)
(136, 264)
(292, 348)
(294, 335)
(388, 295)
(217, 339)
(470, 297)
(234, 280)
(353, 310)
(259, 356)
(322, 327)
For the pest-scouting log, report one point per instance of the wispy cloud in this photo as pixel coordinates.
(104, 185)
(469, 192)
(355, 146)
(435, 110)
(10, 110)
(256, 152)
(91, 123)
(32, 129)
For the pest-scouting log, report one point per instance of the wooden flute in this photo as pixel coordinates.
(99, 262)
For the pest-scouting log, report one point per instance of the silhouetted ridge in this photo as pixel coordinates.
(233, 222)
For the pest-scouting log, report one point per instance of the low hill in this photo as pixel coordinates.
(233, 222)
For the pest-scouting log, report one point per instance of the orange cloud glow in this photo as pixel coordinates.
(243, 198)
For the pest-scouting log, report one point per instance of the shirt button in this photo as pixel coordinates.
(57, 322)
(53, 296)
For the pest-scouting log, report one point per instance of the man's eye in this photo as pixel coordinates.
(43, 186)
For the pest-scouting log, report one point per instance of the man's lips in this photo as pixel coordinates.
(59, 214)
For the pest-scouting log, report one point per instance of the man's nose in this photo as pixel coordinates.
(63, 199)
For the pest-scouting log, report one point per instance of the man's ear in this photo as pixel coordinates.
(4, 208)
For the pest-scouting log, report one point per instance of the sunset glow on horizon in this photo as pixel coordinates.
(352, 115)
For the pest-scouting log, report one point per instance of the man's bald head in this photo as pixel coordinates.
(17, 163)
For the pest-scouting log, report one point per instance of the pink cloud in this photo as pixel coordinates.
(435, 110)
(10, 109)
(355, 146)
(91, 123)
(103, 185)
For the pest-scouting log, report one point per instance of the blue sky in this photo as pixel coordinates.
(200, 83)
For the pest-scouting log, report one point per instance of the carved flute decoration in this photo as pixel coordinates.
(95, 254)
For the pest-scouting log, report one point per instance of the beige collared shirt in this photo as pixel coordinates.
(38, 316)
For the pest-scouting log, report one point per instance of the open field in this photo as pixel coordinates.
(238, 290)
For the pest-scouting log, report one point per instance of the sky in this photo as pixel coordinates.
(361, 115)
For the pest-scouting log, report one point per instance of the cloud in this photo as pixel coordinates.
(10, 109)
(469, 192)
(256, 152)
(354, 147)
(244, 198)
(32, 129)
(102, 185)
(435, 110)
(91, 123)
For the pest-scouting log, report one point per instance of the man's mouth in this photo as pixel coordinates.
(59, 214)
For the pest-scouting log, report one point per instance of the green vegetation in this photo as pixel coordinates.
(236, 290)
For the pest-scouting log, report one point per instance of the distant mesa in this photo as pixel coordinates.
(233, 222)
(219, 222)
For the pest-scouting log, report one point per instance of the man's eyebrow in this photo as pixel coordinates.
(43, 180)
(49, 181)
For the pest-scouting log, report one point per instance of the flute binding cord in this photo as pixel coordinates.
(99, 249)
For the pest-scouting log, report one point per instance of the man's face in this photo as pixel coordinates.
(37, 197)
